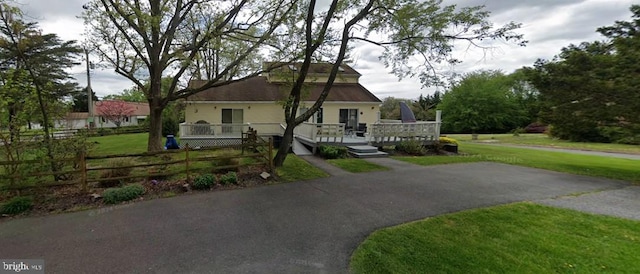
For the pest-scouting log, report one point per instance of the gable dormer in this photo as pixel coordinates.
(318, 73)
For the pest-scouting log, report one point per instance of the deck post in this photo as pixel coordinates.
(438, 123)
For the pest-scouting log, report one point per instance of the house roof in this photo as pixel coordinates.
(259, 89)
(314, 68)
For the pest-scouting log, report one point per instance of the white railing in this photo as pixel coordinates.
(321, 132)
(212, 130)
(394, 132)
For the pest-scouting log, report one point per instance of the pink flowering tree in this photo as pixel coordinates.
(115, 111)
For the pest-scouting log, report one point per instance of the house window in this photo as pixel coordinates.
(102, 120)
(234, 117)
(126, 119)
(349, 117)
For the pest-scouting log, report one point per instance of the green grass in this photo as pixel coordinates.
(545, 141)
(437, 160)
(119, 144)
(515, 238)
(296, 169)
(356, 165)
(591, 165)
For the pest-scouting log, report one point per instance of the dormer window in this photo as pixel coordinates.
(292, 67)
(341, 69)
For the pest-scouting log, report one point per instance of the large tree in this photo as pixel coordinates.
(411, 28)
(482, 102)
(590, 91)
(153, 39)
(38, 63)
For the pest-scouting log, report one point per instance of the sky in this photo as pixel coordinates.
(548, 25)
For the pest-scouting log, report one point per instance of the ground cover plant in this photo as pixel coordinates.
(514, 238)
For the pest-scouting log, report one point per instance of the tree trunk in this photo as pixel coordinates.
(285, 145)
(154, 142)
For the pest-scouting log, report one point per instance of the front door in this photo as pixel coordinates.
(234, 117)
(349, 117)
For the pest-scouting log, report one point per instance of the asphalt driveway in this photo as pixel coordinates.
(305, 227)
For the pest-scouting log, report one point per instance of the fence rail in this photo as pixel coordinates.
(86, 169)
(321, 132)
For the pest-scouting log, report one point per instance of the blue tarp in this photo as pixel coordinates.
(406, 114)
(171, 143)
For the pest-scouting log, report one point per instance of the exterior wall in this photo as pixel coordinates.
(82, 123)
(367, 112)
(273, 113)
(253, 112)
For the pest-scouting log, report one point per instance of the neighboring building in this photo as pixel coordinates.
(259, 99)
(77, 120)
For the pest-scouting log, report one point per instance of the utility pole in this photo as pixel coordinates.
(89, 91)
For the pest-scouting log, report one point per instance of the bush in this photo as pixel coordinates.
(226, 160)
(411, 147)
(169, 126)
(127, 193)
(333, 152)
(204, 181)
(448, 140)
(121, 169)
(229, 178)
(17, 205)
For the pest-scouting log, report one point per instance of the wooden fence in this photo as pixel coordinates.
(86, 169)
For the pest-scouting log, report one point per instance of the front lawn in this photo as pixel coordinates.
(515, 238)
(545, 141)
(119, 144)
(591, 165)
(297, 169)
(356, 165)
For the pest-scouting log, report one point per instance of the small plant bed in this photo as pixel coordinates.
(58, 199)
(356, 165)
(515, 238)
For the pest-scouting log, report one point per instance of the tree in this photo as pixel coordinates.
(426, 29)
(482, 101)
(133, 94)
(589, 92)
(115, 111)
(81, 102)
(152, 39)
(424, 108)
(40, 63)
(390, 108)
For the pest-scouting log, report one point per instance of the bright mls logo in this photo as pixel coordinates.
(23, 266)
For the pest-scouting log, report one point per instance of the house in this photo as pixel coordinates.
(349, 112)
(78, 120)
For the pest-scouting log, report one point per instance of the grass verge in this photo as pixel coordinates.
(296, 169)
(515, 238)
(545, 141)
(437, 160)
(356, 165)
(591, 165)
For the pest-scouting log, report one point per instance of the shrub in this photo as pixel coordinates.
(448, 140)
(127, 193)
(204, 181)
(229, 178)
(169, 126)
(226, 159)
(411, 147)
(333, 152)
(17, 205)
(121, 168)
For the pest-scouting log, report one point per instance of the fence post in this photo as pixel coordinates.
(83, 171)
(186, 160)
(271, 154)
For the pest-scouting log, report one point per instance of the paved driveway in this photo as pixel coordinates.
(306, 227)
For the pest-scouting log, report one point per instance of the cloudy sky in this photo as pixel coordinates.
(548, 25)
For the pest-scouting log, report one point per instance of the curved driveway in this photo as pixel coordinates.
(304, 227)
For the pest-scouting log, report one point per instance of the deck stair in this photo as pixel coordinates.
(366, 152)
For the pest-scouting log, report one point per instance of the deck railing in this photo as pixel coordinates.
(393, 132)
(321, 132)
